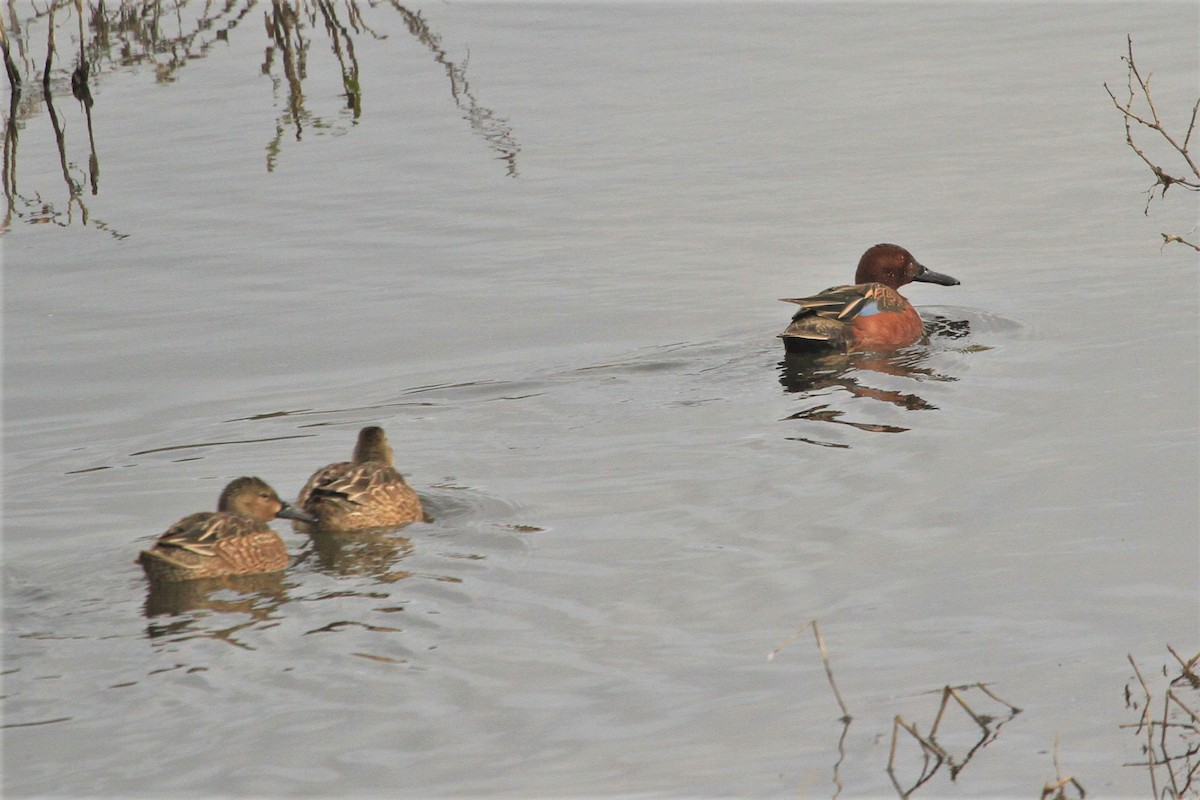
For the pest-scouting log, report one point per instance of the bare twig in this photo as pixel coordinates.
(1151, 120)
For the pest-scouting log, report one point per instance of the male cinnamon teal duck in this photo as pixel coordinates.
(365, 492)
(869, 315)
(235, 540)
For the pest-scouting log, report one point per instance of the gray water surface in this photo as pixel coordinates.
(542, 245)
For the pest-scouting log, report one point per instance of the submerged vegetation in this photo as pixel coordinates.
(72, 46)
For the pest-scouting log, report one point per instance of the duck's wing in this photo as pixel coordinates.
(199, 533)
(325, 476)
(365, 484)
(841, 303)
(210, 545)
(826, 317)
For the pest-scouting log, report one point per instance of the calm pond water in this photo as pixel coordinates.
(542, 245)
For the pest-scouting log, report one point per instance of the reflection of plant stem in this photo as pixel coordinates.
(59, 135)
(49, 49)
(281, 23)
(10, 159)
(60, 138)
(293, 59)
(495, 130)
(83, 93)
(337, 32)
(10, 130)
(14, 77)
(837, 765)
(93, 159)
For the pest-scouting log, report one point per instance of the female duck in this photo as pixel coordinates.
(365, 492)
(233, 541)
(869, 315)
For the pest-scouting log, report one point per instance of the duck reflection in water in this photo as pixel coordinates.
(214, 608)
(818, 374)
(370, 553)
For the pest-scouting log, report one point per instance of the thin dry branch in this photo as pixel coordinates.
(1150, 119)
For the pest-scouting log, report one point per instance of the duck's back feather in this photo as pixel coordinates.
(211, 544)
(845, 316)
(347, 496)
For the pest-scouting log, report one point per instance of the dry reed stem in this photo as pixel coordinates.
(846, 717)
(953, 693)
(983, 688)
(927, 772)
(1187, 668)
(1050, 788)
(929, 744)
(1145, 688)
(1172, 696)
(1181, 767)
(1060, 783)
